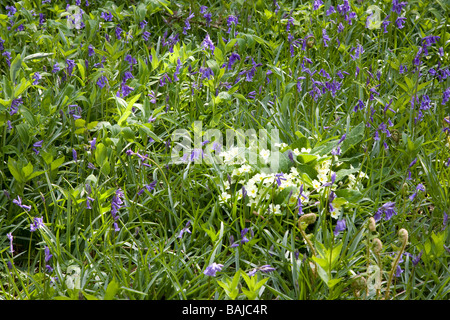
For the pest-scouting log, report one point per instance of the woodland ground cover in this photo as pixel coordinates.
(224, 150)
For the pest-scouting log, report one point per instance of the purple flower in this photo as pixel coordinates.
(207, 43)
(124, 91)
(146, 35)
(116, 204)
(56, 68)
(403, 69)
(130, 60)
(330, 11)
(388, 209)
(118, 32)
(445, 96)
(233, 244)
(398, 6)
(265, 268)
(244, 239)
(445, 220)
(206, 73)
(185, 229)
(251, 95)
(148, 187)
(187, 25)
(340, 226)
(106, 16)
(48, 255)
(11, 10)
(385, 23)
(400, 22)
(358, 52)
(142, 24)
(279, 177)
(333, 178)
(325, 37)
(37, 224)
(420, 187)
(10, 237)
(233, 58)
(18, 202)
(102, 81)
(416, 259)
(70, 66)
(36, 77)
(92, 143)
(317, 4)
(212, 269)
(231, 20)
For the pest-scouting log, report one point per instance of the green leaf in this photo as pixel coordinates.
(111, 290)
(354, 137)
(127, 111)
(37, 56)
(12, 166)
(57, 163)
(14, 68)
(27, 170)
(100, 153)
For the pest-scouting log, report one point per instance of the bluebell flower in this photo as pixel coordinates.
(385, 23)
(358, 52)
(142, 24)
(70, 66)
(400, 22)
(116, 204)
(325, 38)
(212, 269)
(184, 230)
(10, 238)
(233, 58)
(18, 202)
(118, 32)
(279, 177)
(230, 21)
(397, 6)
(11, 10)
(207, 43)
(102, 81)
(146, 35)
(187, 25)
(37, 224)
(415, 260)
(233, 244)
(36, 77)
(107, 16)
(340, 226)
(388, 209)
(317, 4)
(330, 10)
(420, 187)
(265, 268)
(445, 96)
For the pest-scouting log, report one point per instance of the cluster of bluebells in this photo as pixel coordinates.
(116, 204)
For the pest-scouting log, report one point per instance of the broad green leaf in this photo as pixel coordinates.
(111, 290)
(57, 163)
(12, 166)
(27, 170)
(14, 68)
(127, 111)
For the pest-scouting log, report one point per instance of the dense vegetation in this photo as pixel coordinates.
(342, 191)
